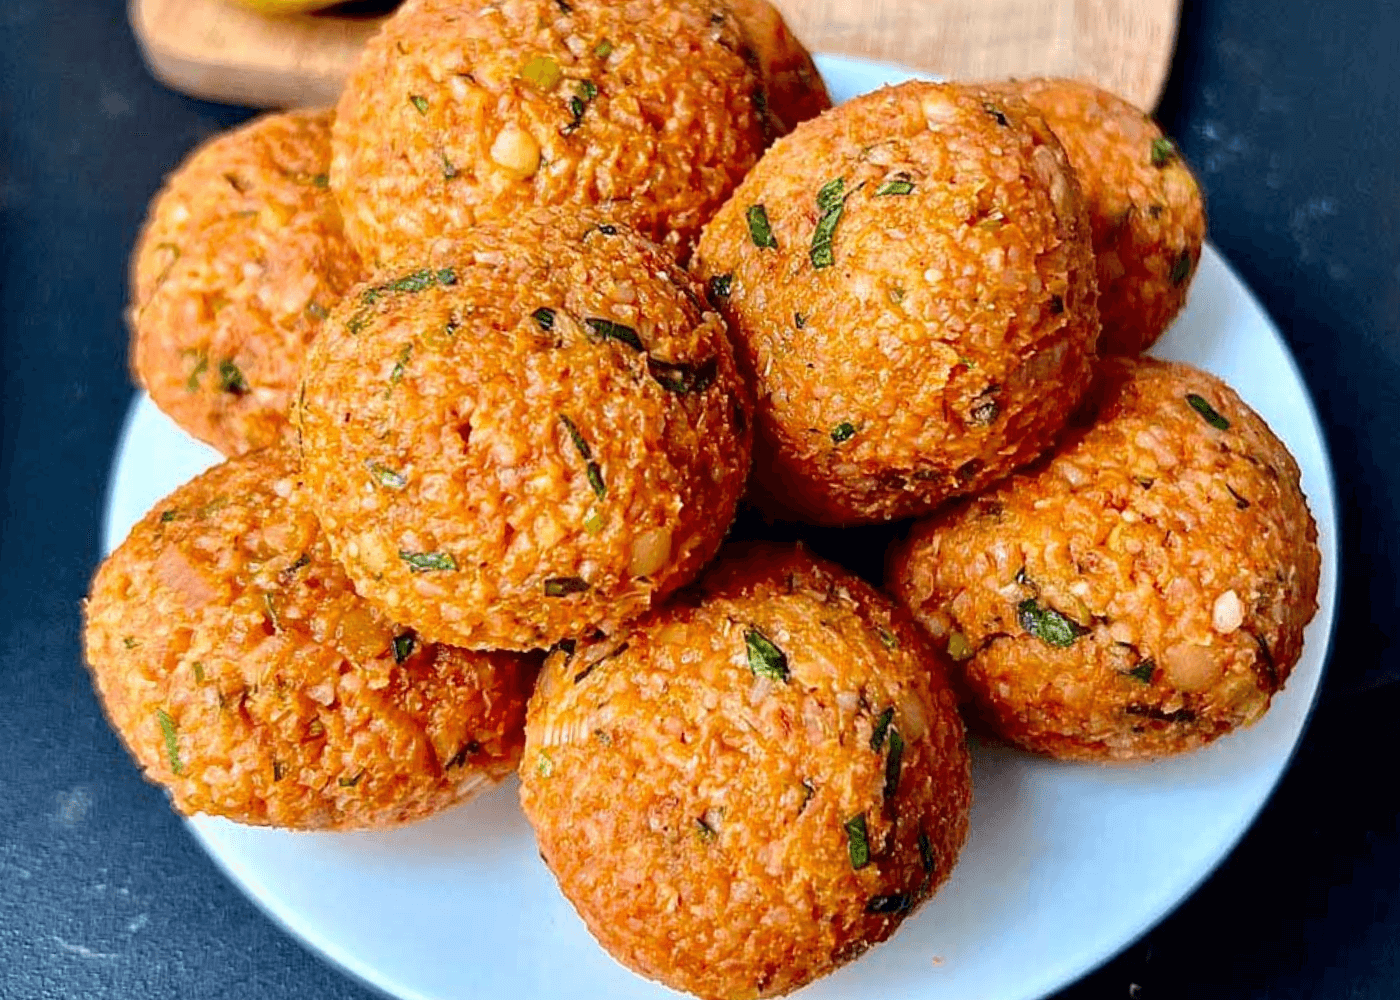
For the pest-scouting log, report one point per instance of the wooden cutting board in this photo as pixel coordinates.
(222, 52)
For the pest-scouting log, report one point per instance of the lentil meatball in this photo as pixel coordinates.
(910, 283)
(248, 678)
(241, 257)
(1145, 207)
(461, 113)
(1141, 593)
(753, 785)
(795, 90)
(532, 434)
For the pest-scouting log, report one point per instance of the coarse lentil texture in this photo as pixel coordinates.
(910, 284)
(462, 113)
(751, 786)
(794, 88)
(1145, 207)
(241, 257)
(525, 435)
(247, 677)
(1141, 593)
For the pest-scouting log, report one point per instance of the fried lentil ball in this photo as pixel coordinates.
(795, 90)
(461, 113)
(241, 256)
(1141, 593)
(910, 283)
(1145, 207)
(248, 678)
(753, 785)
(531, 434)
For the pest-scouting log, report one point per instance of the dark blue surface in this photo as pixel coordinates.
(1287, 109)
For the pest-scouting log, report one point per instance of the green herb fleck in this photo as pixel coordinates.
(420, 102)
(401, 365)
(832, 202)
(603, 49)
(425, 562)
(130, 642)
(958, 646)
(881, 727)
(893, 761)
(172, 740)
(544, 318)
(831, 194)
(721, 285)
(857, 842)
(896, 903)
(231, 378)
(351, 782)
(358, 321)
(897, 186)
(198, 668)
(705, 832)
(201, 365)
(1144, 671)
(542, 73)
(449, 169)
(842, 432)
(609, 330)
(317, 311)
(563, 586)
(578, 104)
(1181, 270)
(418, 281)
(544, 764)
(890, 640)
(386, 476)
(1049, 625)
(682, 379)
(1163, 152)
(404, 644)
(321, 181)
(765, 659)
(595, 474)
(166, 516)
(799, 321)
(760, 230)
(1207, 412)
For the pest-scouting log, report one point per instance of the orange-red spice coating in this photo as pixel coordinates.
(794, 88)
(461, 113)
(246, 677)
(698, 814)
(525, 435)
(1141, 593)
(241, 257)
(945, 331)
(1145, 207)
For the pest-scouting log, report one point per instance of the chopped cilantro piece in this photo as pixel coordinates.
(544, 764)
(832, 202)
(351, 782)
(544, 318)
(893, 761)
(857, 842)
(419, 102)
(386, 476)
(401, 365)
(1208, 413)
(610, 330)
(898, 185)
(888, 638)
(231, 378)
(172, 740)
(842, 432)
(721, 285)
(563, 586)
(765, 659)
(683, 378)
(404, 644)
(760, 230)
(1144, 671)
(424, 562)
(1048, 625)
(595, 474)
(1163, 152)
(881, 727)
(603, 49)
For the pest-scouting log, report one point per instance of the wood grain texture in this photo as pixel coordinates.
(216, 50)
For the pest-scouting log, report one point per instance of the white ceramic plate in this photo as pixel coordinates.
(1064, 866)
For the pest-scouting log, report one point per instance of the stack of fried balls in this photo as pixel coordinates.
(498, 349)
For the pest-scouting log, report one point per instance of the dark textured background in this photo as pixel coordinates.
(1288, 111)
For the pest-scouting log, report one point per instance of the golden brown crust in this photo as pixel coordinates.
(545, 436)
(795, 90)
(241, 256)
(1172, 563)
(950, 332)
(1145, 207)
(695, 812)
(246, 676)
(459, 114)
